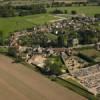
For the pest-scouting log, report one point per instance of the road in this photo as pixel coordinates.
(18, 82)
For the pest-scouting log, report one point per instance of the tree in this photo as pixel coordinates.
(38, 9)
(97, 16)
(25, 40)
(87, 36)
(72, 35)
(73, 12)
(12, 51)
(57, 11)
(54, 66)
(60, 40)
(1, 38)
(7, 10)
(65, 11)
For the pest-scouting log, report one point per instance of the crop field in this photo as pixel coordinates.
(18, 82)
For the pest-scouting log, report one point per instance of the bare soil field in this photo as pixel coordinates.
(18, 82)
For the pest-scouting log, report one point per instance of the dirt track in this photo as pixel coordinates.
(18, 82)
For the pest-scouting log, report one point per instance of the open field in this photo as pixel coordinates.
(18, 23)
(88, 10)
(18, 82)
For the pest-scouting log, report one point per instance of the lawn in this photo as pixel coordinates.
(88, 10)
(8, 25)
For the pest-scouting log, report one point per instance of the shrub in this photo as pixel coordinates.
(73, 12)
(98, 3)
(57, 11)
(65, 11)
(12, 51)
(56, 4)
(97, 15)
(68, 5)
(48, 5)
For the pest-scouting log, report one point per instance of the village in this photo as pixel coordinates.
(49, 49)
(62, 58)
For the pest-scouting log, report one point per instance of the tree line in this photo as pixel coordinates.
(10, 11)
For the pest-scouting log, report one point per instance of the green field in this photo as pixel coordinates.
(18, 23)
(88, 10)
(8, 25)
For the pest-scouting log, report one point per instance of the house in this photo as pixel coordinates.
(73, 42)
(50, 51)
(39, 50)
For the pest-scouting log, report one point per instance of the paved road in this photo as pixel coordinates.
(18, 82)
